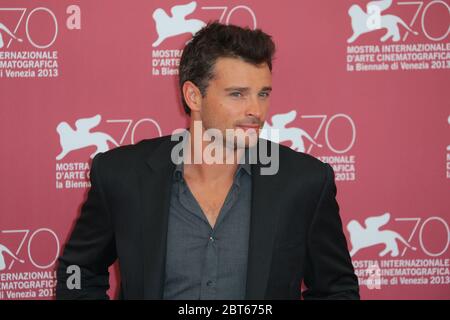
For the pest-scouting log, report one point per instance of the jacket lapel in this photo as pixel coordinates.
(262, 232)
(155, 189)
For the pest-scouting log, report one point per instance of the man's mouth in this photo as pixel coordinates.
(249, 126)
(250, 129)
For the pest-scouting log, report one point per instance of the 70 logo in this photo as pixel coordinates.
(326, 126)
(133, 126)
(26, 17)
(28, 246)
(226, 15)
(419, 229)
(424, 21)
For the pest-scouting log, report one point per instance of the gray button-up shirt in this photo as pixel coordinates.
(204, 262)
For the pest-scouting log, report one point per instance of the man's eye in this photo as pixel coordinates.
(264, 94)
(236, 94)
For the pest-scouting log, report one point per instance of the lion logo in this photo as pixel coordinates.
(294, 135)
(371, 235)
(82, 136)
(362, 21)
(177, 24)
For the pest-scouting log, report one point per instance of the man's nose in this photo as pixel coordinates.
(254, 108)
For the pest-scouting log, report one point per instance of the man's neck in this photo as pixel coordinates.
(210, 172)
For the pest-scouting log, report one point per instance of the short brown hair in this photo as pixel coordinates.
(217, 40)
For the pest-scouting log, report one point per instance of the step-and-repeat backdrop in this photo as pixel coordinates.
(361, 85)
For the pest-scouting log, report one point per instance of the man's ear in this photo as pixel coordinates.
(192, 95)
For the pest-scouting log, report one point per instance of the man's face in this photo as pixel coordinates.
(237, 97)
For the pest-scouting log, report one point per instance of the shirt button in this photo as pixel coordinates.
(211, 239)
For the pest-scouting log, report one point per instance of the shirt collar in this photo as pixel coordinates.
(179, 168)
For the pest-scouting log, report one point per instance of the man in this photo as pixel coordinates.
(184, 227)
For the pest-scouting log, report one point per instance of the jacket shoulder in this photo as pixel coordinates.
(298, 167)
(295, 160)
(127, 156)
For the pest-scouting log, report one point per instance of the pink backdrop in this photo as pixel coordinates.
(378, 109)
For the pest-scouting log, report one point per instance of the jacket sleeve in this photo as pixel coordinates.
(329, 272)
(91, 246)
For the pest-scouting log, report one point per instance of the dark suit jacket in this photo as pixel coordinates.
(295, 233)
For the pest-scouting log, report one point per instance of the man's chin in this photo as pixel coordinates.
(246, 143)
